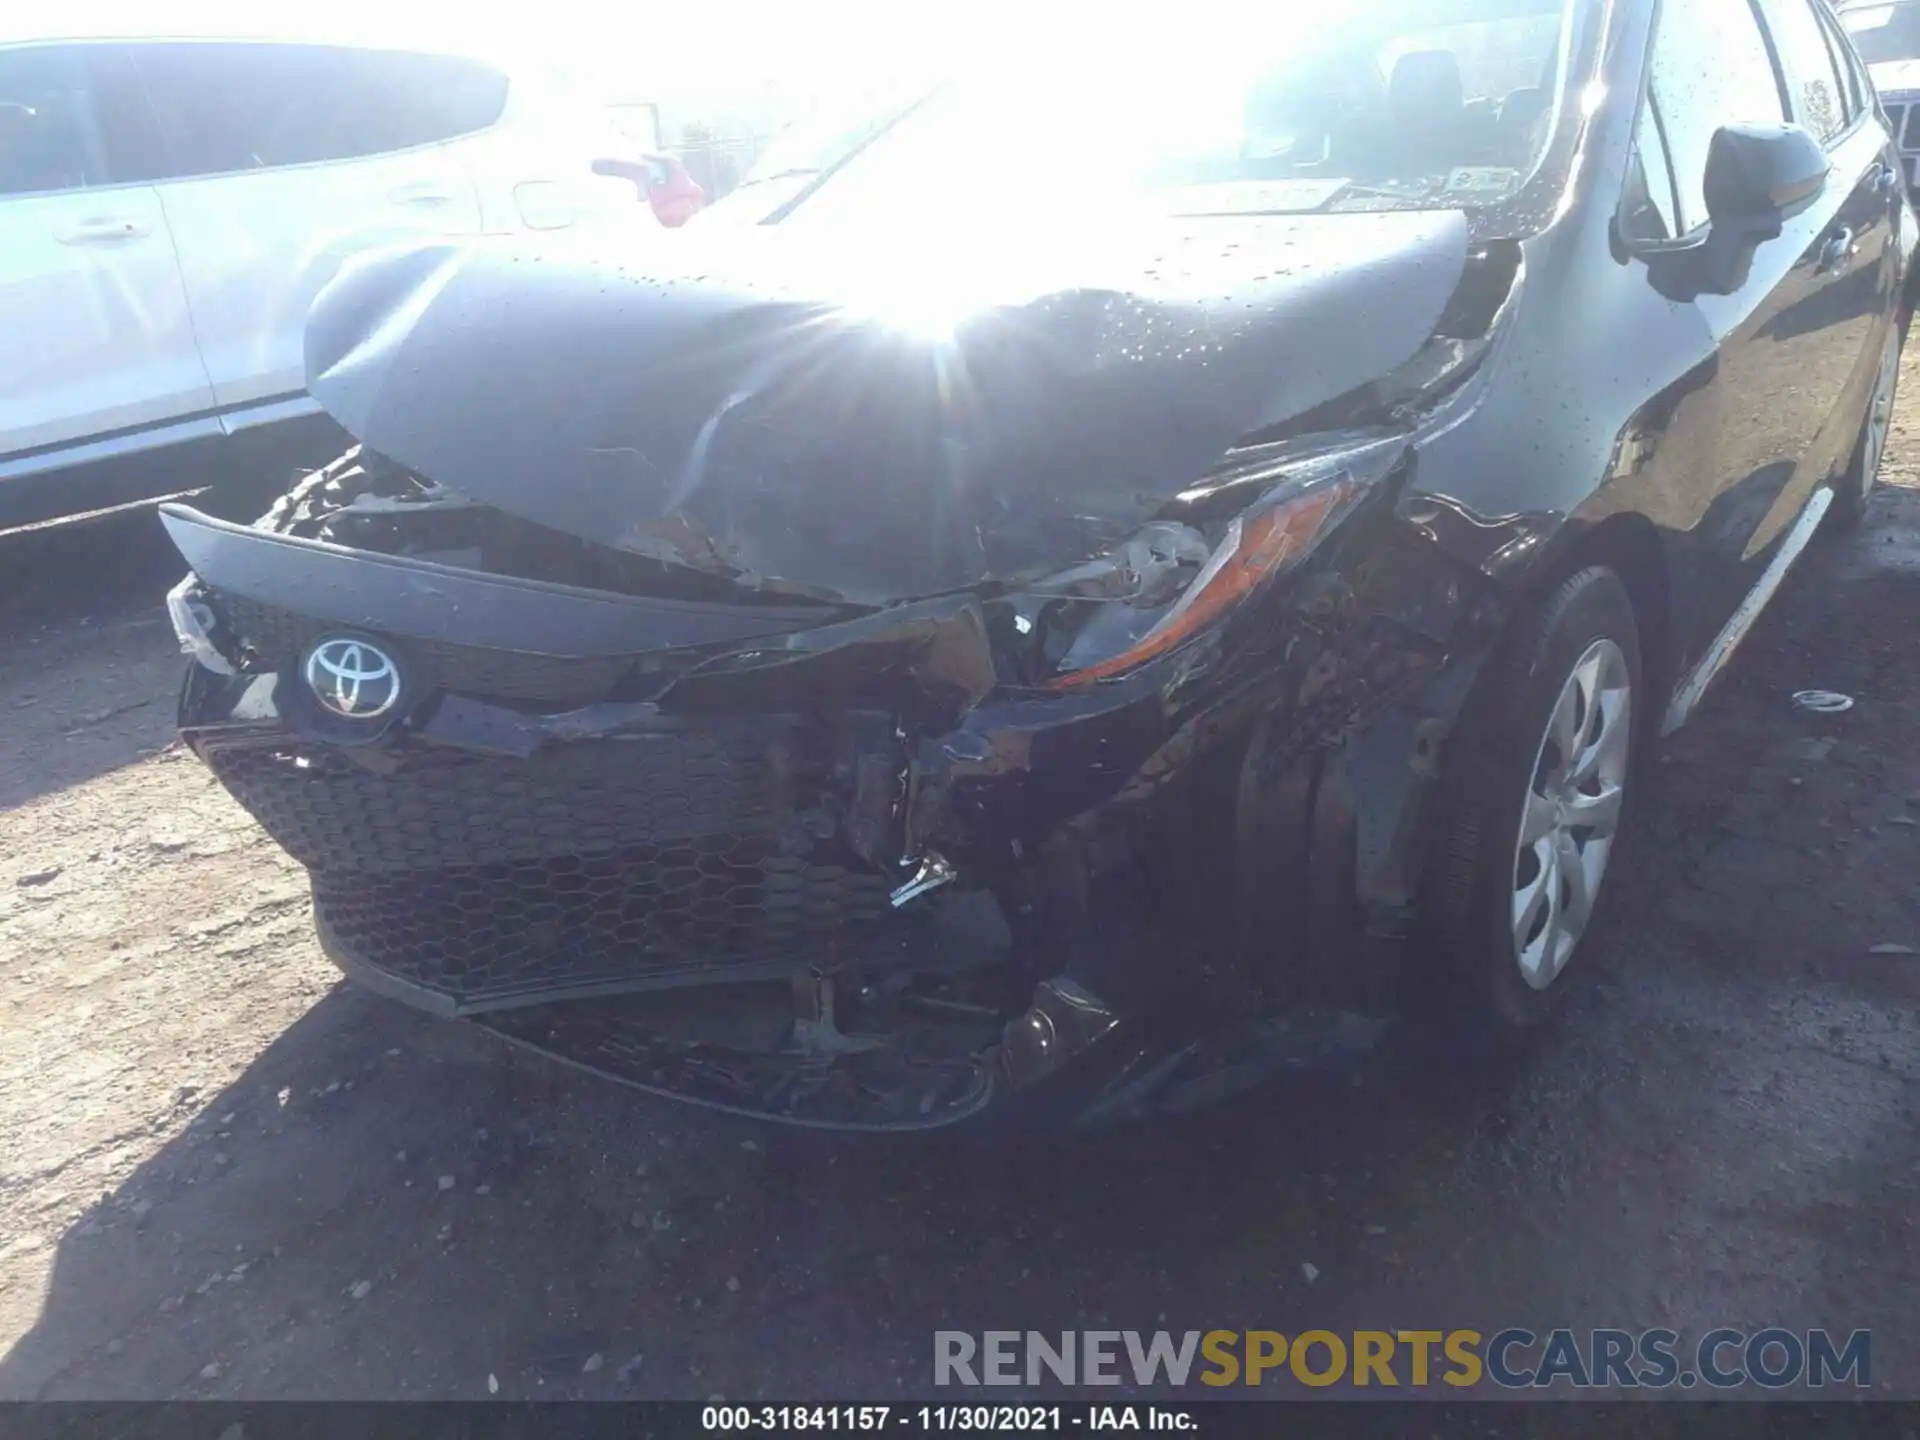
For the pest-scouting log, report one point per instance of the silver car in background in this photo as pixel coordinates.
(1887, 35)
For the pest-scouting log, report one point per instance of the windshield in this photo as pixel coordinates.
(1884, 32)
(1343, 106)
(799, 153)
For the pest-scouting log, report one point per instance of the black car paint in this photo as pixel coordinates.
(795, 438)
(1702, 420)
(1673, 435)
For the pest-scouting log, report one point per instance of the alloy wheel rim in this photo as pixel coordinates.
(1880, 417)
(1572, 813)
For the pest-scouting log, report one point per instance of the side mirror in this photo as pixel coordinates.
(1759, 176)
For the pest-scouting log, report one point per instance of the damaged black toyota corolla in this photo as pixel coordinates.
(1140, 574)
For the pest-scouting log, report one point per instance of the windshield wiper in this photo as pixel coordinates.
(1423, 193)
(1425, 190)
(811, 188)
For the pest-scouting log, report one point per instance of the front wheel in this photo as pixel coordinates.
(1537, 794)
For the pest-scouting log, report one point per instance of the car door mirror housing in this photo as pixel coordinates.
(1760, 176)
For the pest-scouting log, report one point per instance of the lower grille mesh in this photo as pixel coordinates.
(488, 880)
(494, 934)
(445, 808)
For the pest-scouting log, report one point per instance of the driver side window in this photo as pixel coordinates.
(1820, 99)
(1711, 66)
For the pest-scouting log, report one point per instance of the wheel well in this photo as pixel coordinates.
(1629, 546)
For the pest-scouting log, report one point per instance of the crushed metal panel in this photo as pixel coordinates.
(759, 404)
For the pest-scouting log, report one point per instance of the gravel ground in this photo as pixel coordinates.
(222, 1173)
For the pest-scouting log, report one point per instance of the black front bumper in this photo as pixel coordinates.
(1169, 886)
(648, 906)
(645, 908)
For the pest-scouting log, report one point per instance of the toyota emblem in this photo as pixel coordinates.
(354, 679)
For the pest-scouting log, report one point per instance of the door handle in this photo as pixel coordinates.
(1838, 249)
(104, 229)
(422, 192)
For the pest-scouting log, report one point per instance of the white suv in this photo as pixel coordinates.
(169, 209)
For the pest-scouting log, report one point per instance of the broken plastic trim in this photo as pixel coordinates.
(193, 625)
(935, 871)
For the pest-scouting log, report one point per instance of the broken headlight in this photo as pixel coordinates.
(1173, 579)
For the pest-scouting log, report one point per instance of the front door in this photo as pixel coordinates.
(284, 171)
(95, 335)
(1776, 383)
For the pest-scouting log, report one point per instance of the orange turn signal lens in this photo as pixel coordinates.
(1256, 547)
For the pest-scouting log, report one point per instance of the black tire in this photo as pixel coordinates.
(1855, 489)
(1490, 772)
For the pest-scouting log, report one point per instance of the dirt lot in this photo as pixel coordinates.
(224, 1174)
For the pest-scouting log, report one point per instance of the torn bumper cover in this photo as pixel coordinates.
(704, 788)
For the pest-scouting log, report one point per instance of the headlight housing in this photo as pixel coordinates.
(1172, 580)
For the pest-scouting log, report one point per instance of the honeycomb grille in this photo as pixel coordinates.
(443, 808)
(493, 881)
(278, 637)
(713, 908)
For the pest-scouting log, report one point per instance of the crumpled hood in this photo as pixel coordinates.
(871, 418)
